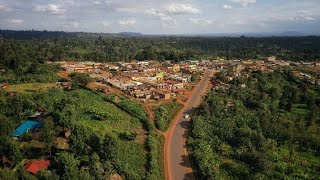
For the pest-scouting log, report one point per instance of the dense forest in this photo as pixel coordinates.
(55, 46)
(267, 130)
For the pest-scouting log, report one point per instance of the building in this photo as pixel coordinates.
(271, 59)
(178, 78)
(174, 68)
(35, 166)
(173, 85)
(26, 126)
(3, 85)
(159, 76)
(158, 94)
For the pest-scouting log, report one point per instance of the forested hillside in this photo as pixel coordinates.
(267, 130)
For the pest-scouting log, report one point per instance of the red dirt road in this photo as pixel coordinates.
(176, 159)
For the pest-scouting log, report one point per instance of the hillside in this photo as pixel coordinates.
(84, 135)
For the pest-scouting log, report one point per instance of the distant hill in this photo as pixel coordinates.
(257, 34)
(32, 34)
(130, 34)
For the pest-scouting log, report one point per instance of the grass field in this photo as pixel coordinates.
(30, 87)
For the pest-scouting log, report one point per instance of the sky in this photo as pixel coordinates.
(162, 16)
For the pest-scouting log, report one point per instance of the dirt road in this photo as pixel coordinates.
(176, 156)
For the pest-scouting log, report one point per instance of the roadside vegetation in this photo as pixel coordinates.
(165, 113)
(268, 130)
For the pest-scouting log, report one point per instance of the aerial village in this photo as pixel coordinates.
(151, 80)
(147, 81)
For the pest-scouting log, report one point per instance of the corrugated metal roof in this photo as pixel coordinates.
(27, 125)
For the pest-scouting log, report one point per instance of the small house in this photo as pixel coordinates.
(35, 166)
(158, 94)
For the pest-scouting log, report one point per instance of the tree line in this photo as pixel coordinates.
(55, 46)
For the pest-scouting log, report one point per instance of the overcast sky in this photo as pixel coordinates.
(162, 16)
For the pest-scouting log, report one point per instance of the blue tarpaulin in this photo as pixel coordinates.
(27, 125)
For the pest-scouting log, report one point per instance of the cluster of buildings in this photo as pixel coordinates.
(237, 68)
(155, 80)
(145, 79)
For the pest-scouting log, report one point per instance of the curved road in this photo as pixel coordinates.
(178, 164)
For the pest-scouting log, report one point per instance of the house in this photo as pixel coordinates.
(142, 94)
(174, 68)
(61, 143)
(174, 85)
(65, 85)
(160, 85)
(191, 67)
(3, 85)
(67, 133)
(35, 166)
(26, 126)
(192, 62)
(271, 59)
(159, 76)
(178, 78)
(317, 63)
(143, 63)
(306, 63)
(158, 94)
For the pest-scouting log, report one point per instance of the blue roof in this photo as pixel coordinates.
(27, 125)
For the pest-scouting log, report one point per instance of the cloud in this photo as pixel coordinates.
(302, 18)
(310, 18)
(156, 12)
(4, 8)
(168, 21)
(244, 3)
(106, 23)
(181, 9)
(75, 24)
(97, 2)
(166, 14)
(50, 8)
(225, 6)
(164, 17)
(200, 21)
(16, 21)
(127, 22)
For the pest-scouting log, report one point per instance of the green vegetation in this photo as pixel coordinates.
(154, 141)
(268, 130)
(80, 79)
(165, 113)
(102, 134)
(54, 46)
(30, 87)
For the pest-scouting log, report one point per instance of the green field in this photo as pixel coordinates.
(30, 87)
